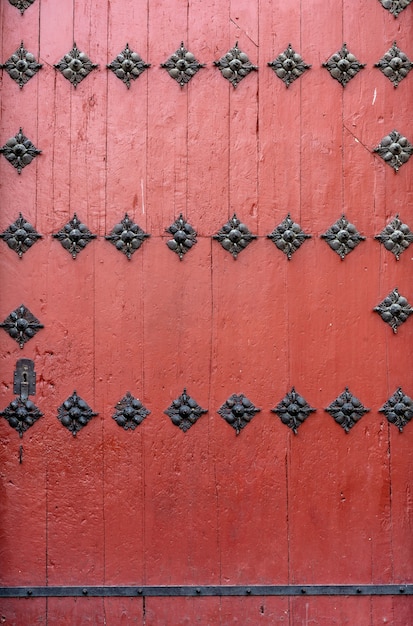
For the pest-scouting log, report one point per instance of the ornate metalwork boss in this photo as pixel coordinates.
(395, 65)
(182, 65)
(129, 412)
(346, 410)
(21, 414)
(128, 65)
(238, 411)
(343, 65)
(74, 236)
(396, 237)
(235, 65)
(293, 410)
(289, 66)
(398, 409)
(288, 236)
(75, 413)
(22, 5)
(19, 151)
(21, 325)
(184, 236)
(394, 149)
(75, 66)
(234, 236)
(342, 237)
(184, 411)
(395, 6)
(20, 236)
(21, 66)
(394, 309)
(127, 236)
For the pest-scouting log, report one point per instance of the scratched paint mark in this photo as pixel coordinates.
(143, 198)
(374, 96)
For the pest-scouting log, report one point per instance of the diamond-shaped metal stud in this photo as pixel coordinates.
(21, 66)
(184, 236)
(293, 410)
(20, 236)
(182, 65)
(343, 65)
(75, 413)
(234, 236)
(395, 6)
(127, 236)
(184, 411)
(238, 411)
(235, 65)
(19, 151)
(75, 66)
(21, 414)
(342, 237)
(288, 236)
(74, 236)
(289, 65)
(395, 65)
(396, 237)
(398, 409)
(128, 66)
(21, 325)
(21, 5)
(129, 412)
(394, 309)
(346, 410)
(394, 149)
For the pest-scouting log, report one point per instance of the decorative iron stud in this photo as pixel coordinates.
(238, 411)
(394, 309)
(20, 236)
(288, 236)
(396, 237)
(346, 409)
(342, 237)
(129, 412)
(22, 5)
(75, 413)
(395, 65)
(343, 65)
(235, 65)
(184, 411)
(289, 66)
(74, 236)
(395, 6)
(21, 325)
(293, 410)
(75, 66)
(127, 236)
(21, 66)
(21, 414)
(182, 65)
(398, 409)
(394, 149)
(184, 236)
(128, 66)
(234, 236)
(19, 151)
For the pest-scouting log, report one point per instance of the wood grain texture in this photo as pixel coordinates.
(157, 505)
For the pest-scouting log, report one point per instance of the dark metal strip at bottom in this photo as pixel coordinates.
(205, 590)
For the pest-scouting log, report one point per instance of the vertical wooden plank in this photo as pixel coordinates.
(22, 485)
(15, 611)
(75, 496)
(119, 298)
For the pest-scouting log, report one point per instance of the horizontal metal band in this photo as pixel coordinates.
(205, 590)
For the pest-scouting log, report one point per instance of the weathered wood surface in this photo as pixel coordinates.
(157, 506)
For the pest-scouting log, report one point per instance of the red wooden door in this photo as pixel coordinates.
(153, 505)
